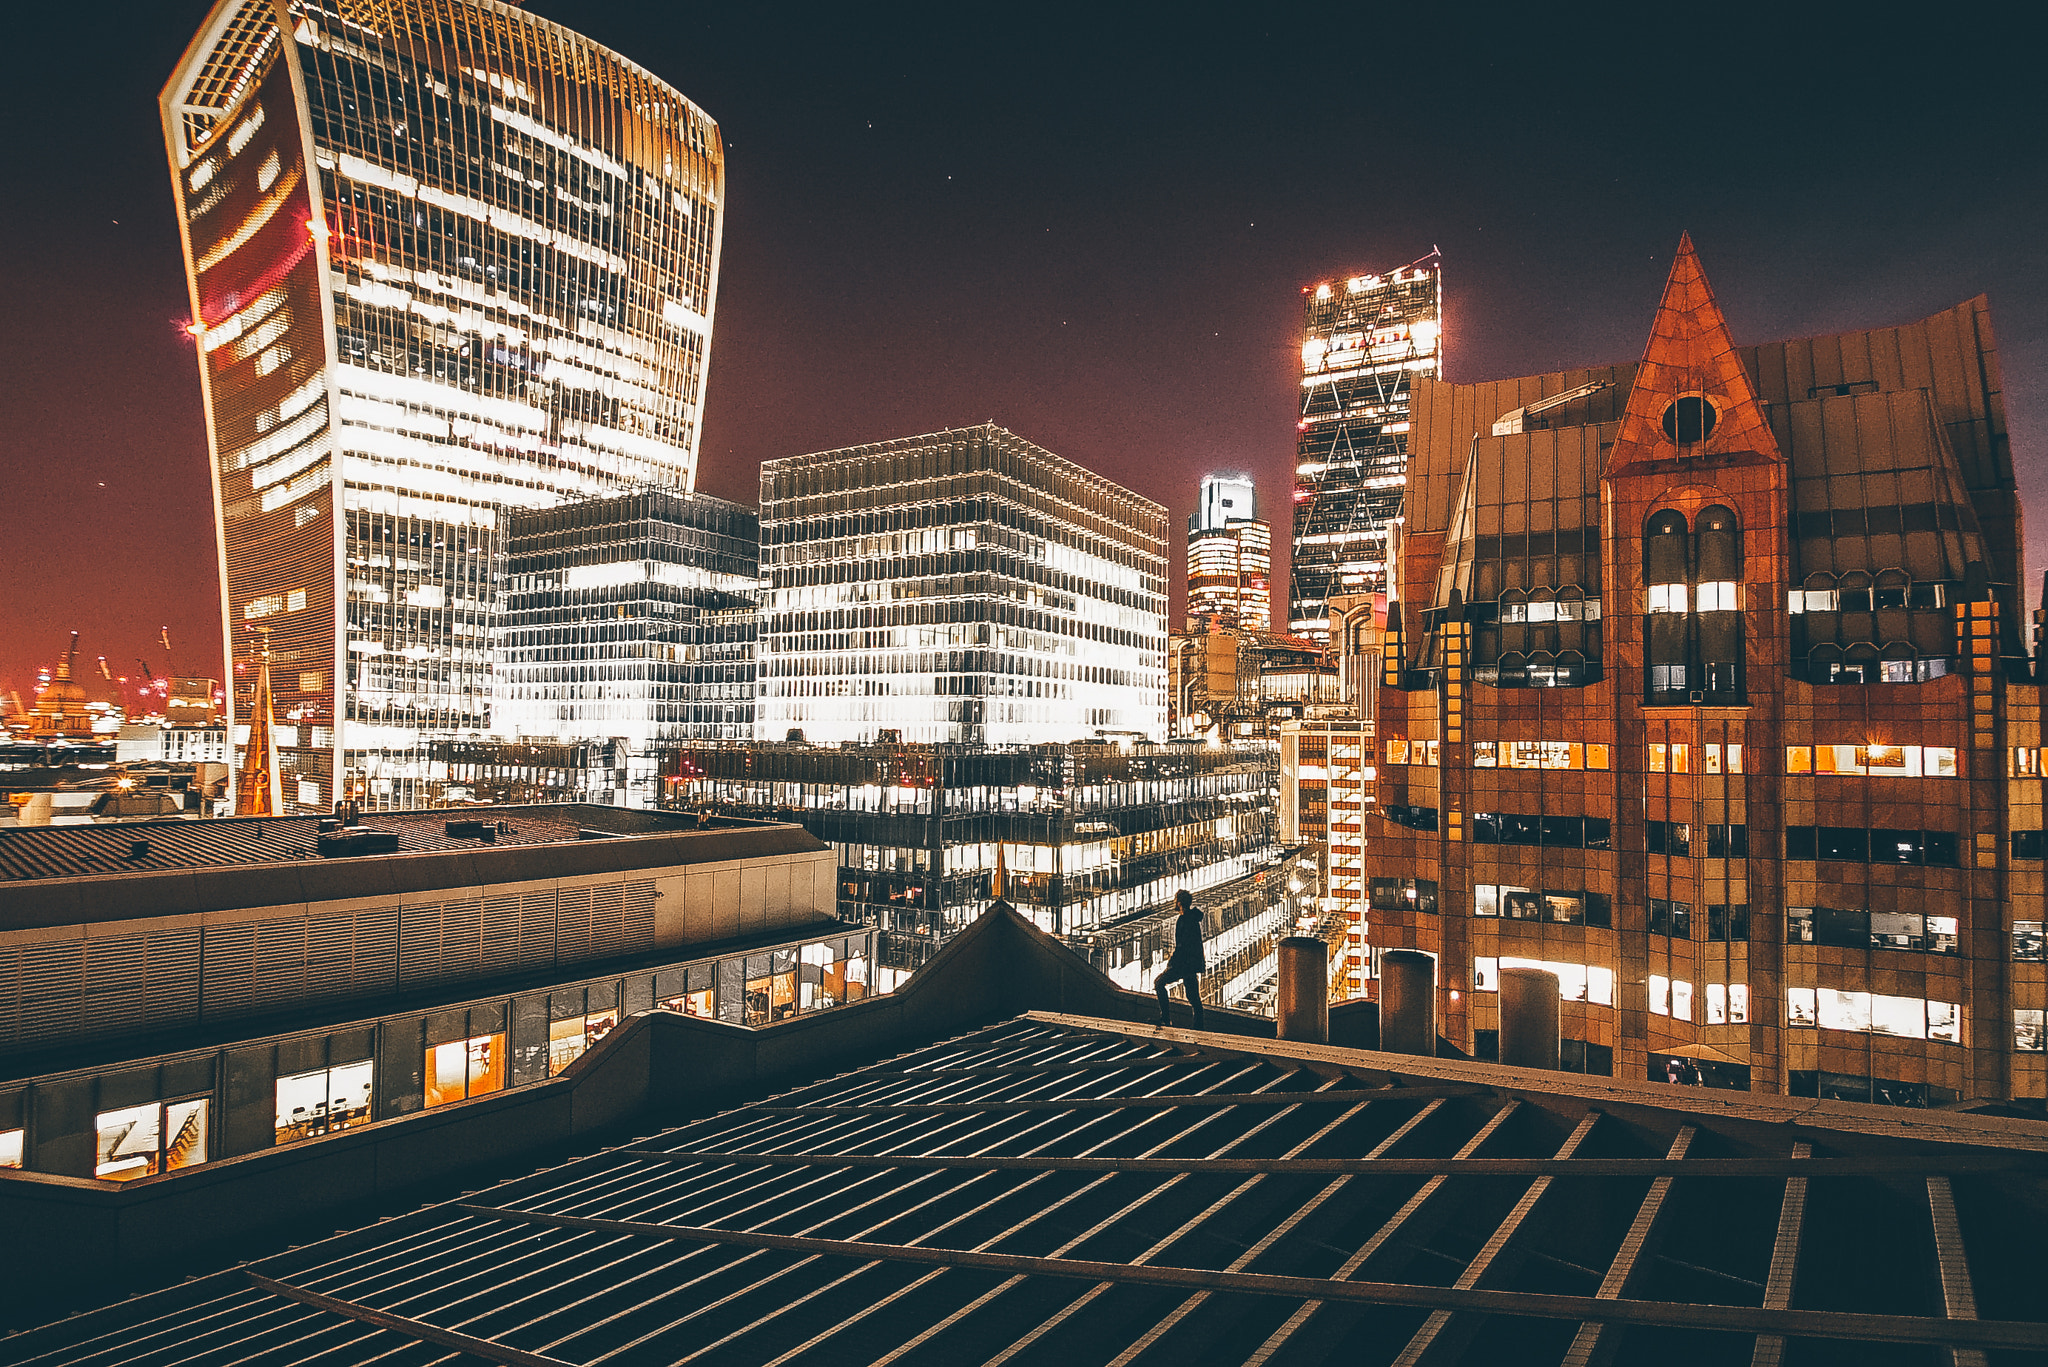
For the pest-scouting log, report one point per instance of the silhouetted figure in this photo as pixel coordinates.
(1186, 965)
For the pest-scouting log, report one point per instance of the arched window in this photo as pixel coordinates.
(1667, 653)
(1896, 662)
(1665, 558)
(1854, 592)
(1891, 589)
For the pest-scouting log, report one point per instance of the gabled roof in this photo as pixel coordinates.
(1690, 351)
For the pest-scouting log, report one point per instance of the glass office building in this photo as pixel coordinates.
(629, 618)
(1364, 341)
(445, 258)
(1094, 840)
(1230, 557)
(962, 587)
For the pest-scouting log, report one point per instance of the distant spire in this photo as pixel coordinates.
(999, 886)
(256, 786)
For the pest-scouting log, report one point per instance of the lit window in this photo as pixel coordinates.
(464, 1068)
(1485, 975)
(2027, 1038)
(1719, 596)
(1800, 1010)
(2026, 762)
(1484, 754)
(569, 1038)
(1660, 995)
(1681, 999)
(1738, 1003)
(159, 1136)
(10, 1145)
(1666, 598)
(326, 1099)
(1717, 1004)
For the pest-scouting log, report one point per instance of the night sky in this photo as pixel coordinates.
(1089, 226)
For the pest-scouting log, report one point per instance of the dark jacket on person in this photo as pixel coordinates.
(1187, 944)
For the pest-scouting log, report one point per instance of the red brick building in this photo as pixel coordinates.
(1710, 693)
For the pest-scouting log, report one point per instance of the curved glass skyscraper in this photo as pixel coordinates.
(446, 259)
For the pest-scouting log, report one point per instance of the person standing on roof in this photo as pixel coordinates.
(1187, 963)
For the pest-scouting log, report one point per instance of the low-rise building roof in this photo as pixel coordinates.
(1057, 1188)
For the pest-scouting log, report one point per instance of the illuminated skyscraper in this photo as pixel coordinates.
(964, 587)
(1230, 557)
(630, 618)
(446, 258)
(1364, 340)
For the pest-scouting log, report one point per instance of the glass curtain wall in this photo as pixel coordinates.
(962, 587)
(491, 287)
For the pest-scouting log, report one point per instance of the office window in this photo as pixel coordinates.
(1854, 928)
(1727, 842)
(1854, 845)
(1407, 894)
(1668, 838)
(1800, 1009)
(2027, 1037)
(1575, 982)
(158, 1136)
(1873, 761)
(324, 1100)
(1738, 1003)
(1671, 918)
(1558, 754)
(570, 1036)
(1670, 997)
(1721, 759)
(1670, 758)
(10, 1147)
(2026, 762)
(1665, 598)
(2027, 941)
(1728, 923)
(2027, 845)
(1875, 1013)
(465, 1068)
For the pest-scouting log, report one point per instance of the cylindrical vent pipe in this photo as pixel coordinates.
(1304, 1010)
(1529, 1018)
(1408, 1002)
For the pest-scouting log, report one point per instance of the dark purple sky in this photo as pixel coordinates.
(1089, 226)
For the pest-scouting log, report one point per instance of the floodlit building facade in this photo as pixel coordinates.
(965, 587)
(630, 618)
(1710, 696)
(1230, 557)
(445, 258)
(1365, 341)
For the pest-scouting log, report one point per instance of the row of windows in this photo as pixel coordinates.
(1873, 1013)
(1570, 907)
(1674, 838)
(1856, 929)
(1552, 832)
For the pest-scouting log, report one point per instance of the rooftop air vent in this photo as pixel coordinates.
(355, 840)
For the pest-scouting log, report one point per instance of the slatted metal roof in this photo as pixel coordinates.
(1056, 1190)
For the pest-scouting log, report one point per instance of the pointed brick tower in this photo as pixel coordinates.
(1695, 497)
(256, 785)
(1692, 402)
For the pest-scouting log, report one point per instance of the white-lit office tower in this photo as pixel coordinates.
(630, 618)
(1230, 557)
(961, 587)
(445, 258)
(1364, 339)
